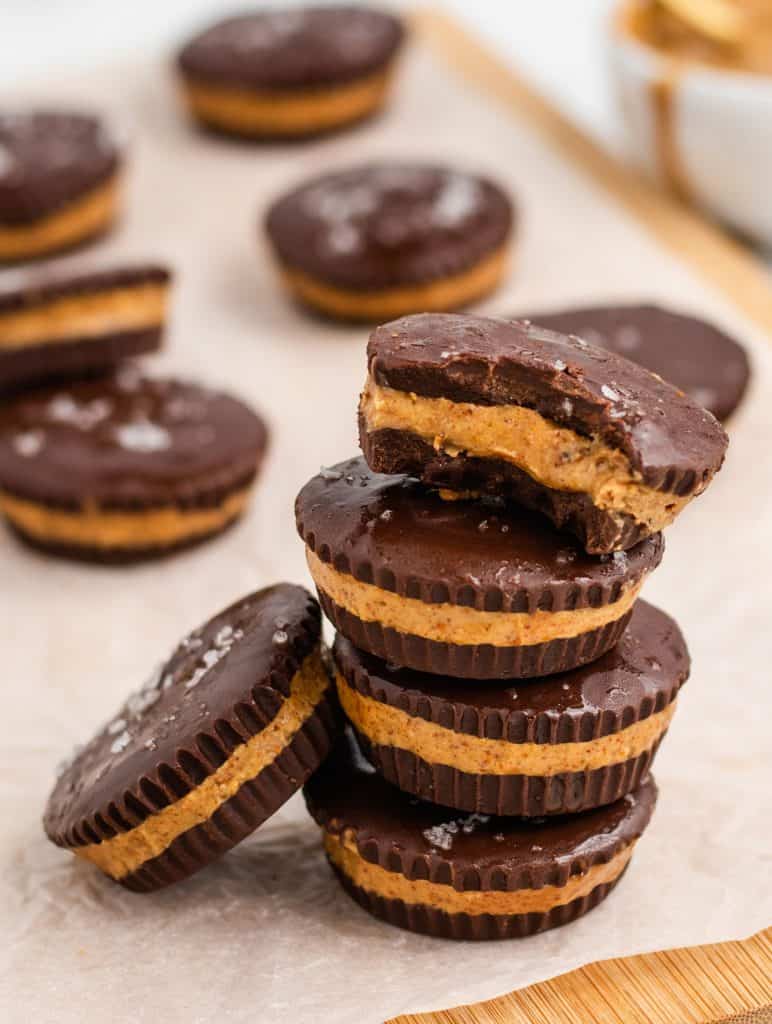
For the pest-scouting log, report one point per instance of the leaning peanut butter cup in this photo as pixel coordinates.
(602, 446)
(447, 874)
(476, 590)
(566, 743)
(220, 737)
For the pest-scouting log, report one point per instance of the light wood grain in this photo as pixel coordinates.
(693, 985)
(718, 258)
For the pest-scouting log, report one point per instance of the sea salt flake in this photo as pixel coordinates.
(29, 443)
(567, 406)
(279, 637)
(331, 475)
(610, 393)
(441, 836)
(386, 515)
(121, 742)
(456, 201)
(117, 726)
(143, 436)
(560, 365)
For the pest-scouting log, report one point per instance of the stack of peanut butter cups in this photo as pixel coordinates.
(506, 689)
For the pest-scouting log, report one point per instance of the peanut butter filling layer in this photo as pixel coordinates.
(393, 886)
(451, 292)
(87, 316)
(389, 727)
(292, 112)
(454, 624)
(554, 456)
(128, 851)
(78, 220)
(92, 527)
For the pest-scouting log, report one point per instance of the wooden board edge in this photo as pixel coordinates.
(718, 258)
(690, 984)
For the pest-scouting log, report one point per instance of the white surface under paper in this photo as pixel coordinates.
(266, 935)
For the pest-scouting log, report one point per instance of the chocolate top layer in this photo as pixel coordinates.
(397, 534)
(692, 354)
(669, 439)
(469, 852)
(26, 288)
(293, 49)
(384, 225)
(48, 159)
(224, 683)
(127, 441)
(637, 678)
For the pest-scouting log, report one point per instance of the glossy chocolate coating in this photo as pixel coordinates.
(224, 683)
(293, 49)
(390, 829)
(388, 225)
(49, 159)
(393, 532)
(694, 355)
(640, 676)
(128, 442)
(674, 444)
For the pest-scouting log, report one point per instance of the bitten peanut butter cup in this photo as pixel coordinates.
(59, 181)
(558, 745)
(382, 240)
(602, 446)
(694, 355)
(58, 323)
(476, 590)
(290, 73)
(124, 467)
(219, 738)
(430, 869)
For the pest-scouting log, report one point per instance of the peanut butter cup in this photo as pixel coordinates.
(125, 467)
(430, 869)
(58, 323)
(290, 73)
(217, 740)
(566, 743)
(381, 240)
(59, 181)
(599, 444)
(477, 590)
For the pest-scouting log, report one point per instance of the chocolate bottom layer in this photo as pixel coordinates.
(530, 796)
(253, 804)
(476, 927)
(599, 530)
(473, 661)
(79, 357)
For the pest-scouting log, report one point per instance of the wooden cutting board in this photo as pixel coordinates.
(718, 984)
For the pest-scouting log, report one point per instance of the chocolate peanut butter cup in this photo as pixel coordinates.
(77, 322)
(476, 590)
(602, 446)
(220, 737)
(558, 745)
(290, 73)
(381, 240)
(125, 467)
(59, 181)
(694, 355)
(430, 869)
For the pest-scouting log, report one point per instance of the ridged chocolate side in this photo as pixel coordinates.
(471, 927)
(41, 286)
(473, 661)
(252, 805)
(79, 357)
(600, 531)
(175, 742)
(527, 796)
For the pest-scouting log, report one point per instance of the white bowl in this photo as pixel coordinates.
(719, 127)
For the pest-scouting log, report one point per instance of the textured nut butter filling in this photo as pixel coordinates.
(389, 727)
(554, 456)
(79, 219)
(455, 624)
(128, 851)
(284, 112)
(450, 292)
(93, 528)
(90, 315)
(393, 886)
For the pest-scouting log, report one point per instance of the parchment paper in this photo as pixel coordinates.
(266, 935)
